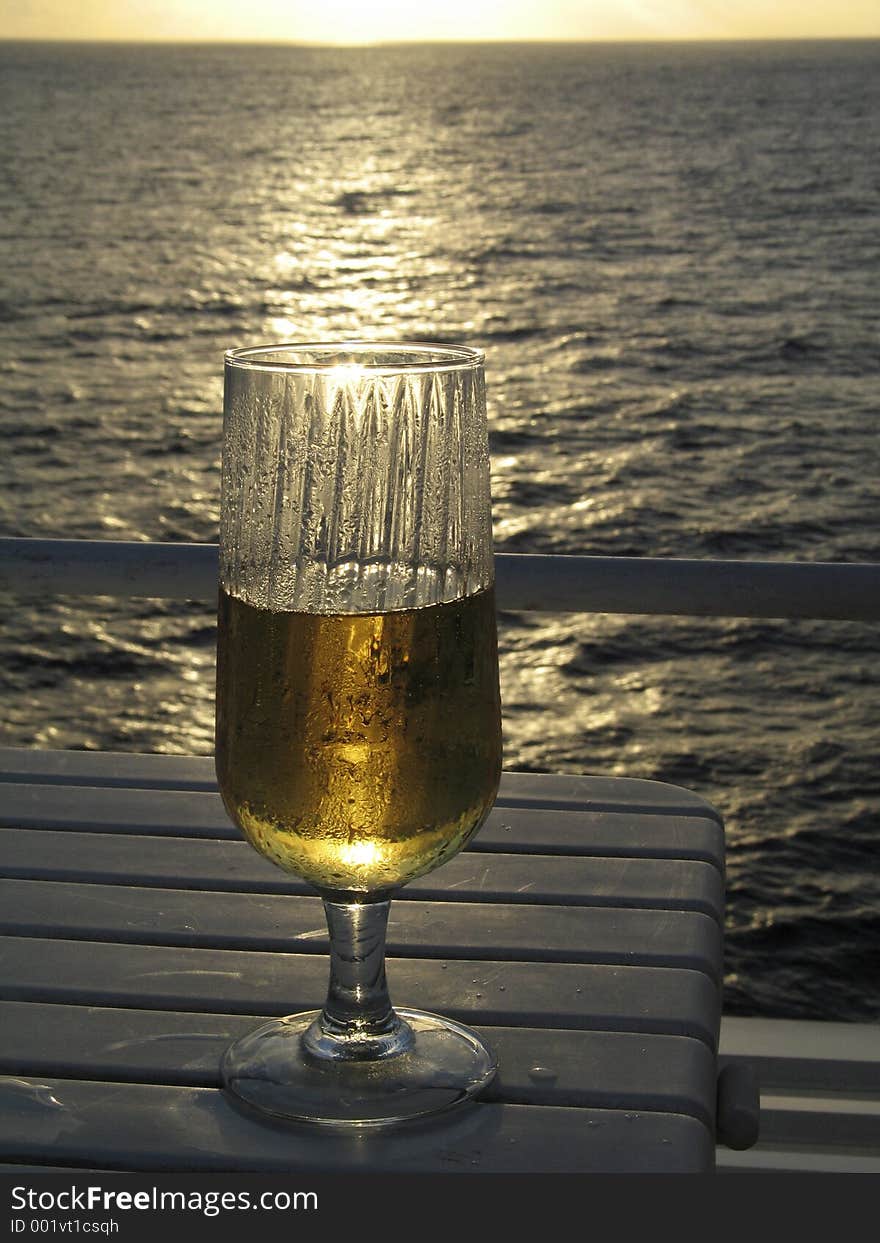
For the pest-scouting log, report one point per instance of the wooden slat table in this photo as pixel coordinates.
(581, 933)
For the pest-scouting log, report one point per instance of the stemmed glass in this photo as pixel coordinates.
(358, 739)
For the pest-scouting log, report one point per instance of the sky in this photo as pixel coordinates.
(366, 21)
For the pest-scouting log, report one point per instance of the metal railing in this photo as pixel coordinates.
(831, 591)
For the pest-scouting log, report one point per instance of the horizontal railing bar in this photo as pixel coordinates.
(848, 591)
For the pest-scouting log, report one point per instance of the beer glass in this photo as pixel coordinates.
(358, 728)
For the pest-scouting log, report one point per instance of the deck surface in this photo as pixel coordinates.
(581, 933)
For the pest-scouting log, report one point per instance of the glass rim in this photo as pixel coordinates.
(446, 357)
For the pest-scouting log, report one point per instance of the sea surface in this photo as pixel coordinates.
(671, 255)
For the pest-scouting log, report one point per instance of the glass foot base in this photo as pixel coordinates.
(270, 1071)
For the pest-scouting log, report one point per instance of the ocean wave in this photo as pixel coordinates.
(43, 667)
(360, 202)
(550, 207)
(104, 309)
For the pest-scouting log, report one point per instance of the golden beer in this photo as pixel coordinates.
(358, 750)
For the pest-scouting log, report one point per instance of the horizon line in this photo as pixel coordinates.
(489, 39)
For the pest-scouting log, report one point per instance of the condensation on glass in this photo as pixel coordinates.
(355, 479)
(358, 735)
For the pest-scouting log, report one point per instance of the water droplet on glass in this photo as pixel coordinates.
(542, 1074)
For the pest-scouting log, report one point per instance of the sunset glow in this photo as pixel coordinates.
(341, 22)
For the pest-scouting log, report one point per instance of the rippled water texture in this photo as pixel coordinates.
(670, 255)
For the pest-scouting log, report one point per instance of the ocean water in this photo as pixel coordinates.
(670, 254)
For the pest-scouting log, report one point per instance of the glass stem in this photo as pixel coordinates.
(358, 1021)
